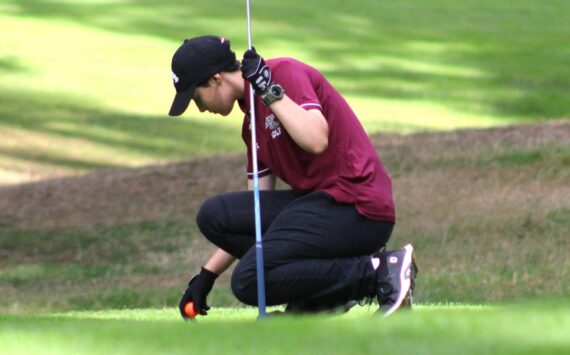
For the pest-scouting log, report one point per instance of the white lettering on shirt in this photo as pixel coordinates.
(272, 124)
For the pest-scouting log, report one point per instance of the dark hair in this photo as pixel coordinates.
(232, 68)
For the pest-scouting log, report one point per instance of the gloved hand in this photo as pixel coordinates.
(254, 70)
(198, 289)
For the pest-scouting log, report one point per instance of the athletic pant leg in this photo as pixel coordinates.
(228, 220)
(315, 249)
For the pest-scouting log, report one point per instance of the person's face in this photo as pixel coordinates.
(214, 97)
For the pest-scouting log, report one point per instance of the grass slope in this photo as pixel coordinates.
(428, 330)
(97, 78)
(487, 210)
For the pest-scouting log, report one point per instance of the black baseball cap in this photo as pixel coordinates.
(194, 63)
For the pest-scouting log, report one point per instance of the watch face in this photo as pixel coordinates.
(274, 93)
(276, 90)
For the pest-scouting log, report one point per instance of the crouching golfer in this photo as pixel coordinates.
(322, 238)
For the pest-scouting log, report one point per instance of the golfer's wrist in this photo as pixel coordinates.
(274, 92)
(208, 275)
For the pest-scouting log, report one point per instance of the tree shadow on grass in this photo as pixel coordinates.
(518, 52)
(11, 64)
(112, 139)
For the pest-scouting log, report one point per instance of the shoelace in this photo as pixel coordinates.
(369, 299)
(384, 290)
(383, 296)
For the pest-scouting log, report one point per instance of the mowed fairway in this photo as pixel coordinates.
(95, 75)
(521, 329)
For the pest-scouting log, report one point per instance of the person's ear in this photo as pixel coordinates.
(217, 79)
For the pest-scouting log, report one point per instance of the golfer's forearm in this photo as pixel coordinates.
(219, 262)
(309, 129)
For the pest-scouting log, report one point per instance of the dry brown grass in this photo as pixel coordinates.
(488, 211)
(112, 197)
(485, 230)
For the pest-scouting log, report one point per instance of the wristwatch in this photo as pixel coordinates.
(274, 92)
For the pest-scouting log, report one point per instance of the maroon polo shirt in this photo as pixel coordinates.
(349, 169)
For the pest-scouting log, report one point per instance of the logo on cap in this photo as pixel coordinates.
(175, 78)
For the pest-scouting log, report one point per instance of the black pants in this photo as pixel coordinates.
(315, 249)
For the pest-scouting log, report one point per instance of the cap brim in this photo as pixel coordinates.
(181, 102)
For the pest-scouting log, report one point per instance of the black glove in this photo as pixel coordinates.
(198, 289)
(254, 70)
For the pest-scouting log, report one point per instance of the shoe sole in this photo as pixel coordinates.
(405, 280)
(409, 299)
(413, 274)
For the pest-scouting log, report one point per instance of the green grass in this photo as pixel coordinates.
(97, 78)
(485, 210)
(451, 329)
(98, 267)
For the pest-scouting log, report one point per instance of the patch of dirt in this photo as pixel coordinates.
(175, 191)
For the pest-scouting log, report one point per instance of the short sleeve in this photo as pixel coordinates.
(298, 84)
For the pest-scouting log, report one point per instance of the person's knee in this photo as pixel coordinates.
(210, 216)
(244, 284)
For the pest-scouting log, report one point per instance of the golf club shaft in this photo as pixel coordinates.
(256, 207)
